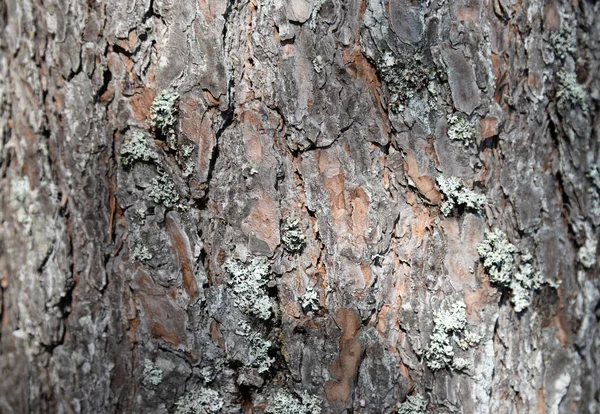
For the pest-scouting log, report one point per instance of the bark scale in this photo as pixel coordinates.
(282, 241)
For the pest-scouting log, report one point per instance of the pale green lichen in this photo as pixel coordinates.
(569, 92)
(404, 77)
(258, 353)
(414, 404)
(594, 175)
(199, 401)
(188, 163)
(163, 192)
(27, 207)
(318, 64)
(285, 403)
(310, 299)
(587, 253)
(457, 195)
(151, 375)
(163, 115)
(293, 237)
(460, 129)
(136, 148)
(468, 340)
(461, 364)
(20, 188)
(247, 282)
(563, 40)
(525, 281)
(141, 253)
(500, 258)
(447, 324)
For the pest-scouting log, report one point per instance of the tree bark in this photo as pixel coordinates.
(248, 206)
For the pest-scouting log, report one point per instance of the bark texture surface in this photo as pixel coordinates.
(284, 244)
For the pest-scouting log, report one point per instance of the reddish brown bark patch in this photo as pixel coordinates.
(165, 319)
(263, 222)
(489, 127)
(181, 245)
(141, 101)
(344, 369)
(424, 183)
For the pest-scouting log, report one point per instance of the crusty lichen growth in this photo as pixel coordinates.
(163, 192)
(151, 375)
(199, 401)
(247, 282)
(137, 149)
(461, 129)
(594, 175)
(526, 280)
(414, 404)
(258, 353)
(404, 77)
(285, 403)
(468, 340)
(563, 41)
(587, 253)
(498, 256)
(318, 64)
(187, 161)
(569, 92)
(293, 237)
(141, 253)
(310, 299)
(457, 195)
(163, 115)
(27, 208)
(499, 259)
(447, 325)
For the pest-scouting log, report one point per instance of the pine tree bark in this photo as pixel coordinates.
(279, 238)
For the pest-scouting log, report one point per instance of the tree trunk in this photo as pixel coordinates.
(276, 206)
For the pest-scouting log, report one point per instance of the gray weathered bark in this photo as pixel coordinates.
(284, 242)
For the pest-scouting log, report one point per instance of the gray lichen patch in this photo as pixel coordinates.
(498, 256)
(163, 115)
(569, 92)
(199, 401)
(285, 403)
(163, 192)
(258, 352)
(414, 404)
(136, 148)
(310, 299)
(151, 375)
(25, 202)
(461, 129)
(141, 253)
(563, 40)
(500, 261)
(594, 175)
(526, 280)
(457, 195)
(293, 237)
(247, 282)
(404, 77)
(587, 253)
(468, 340)
(187, 161)
(446, 325)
